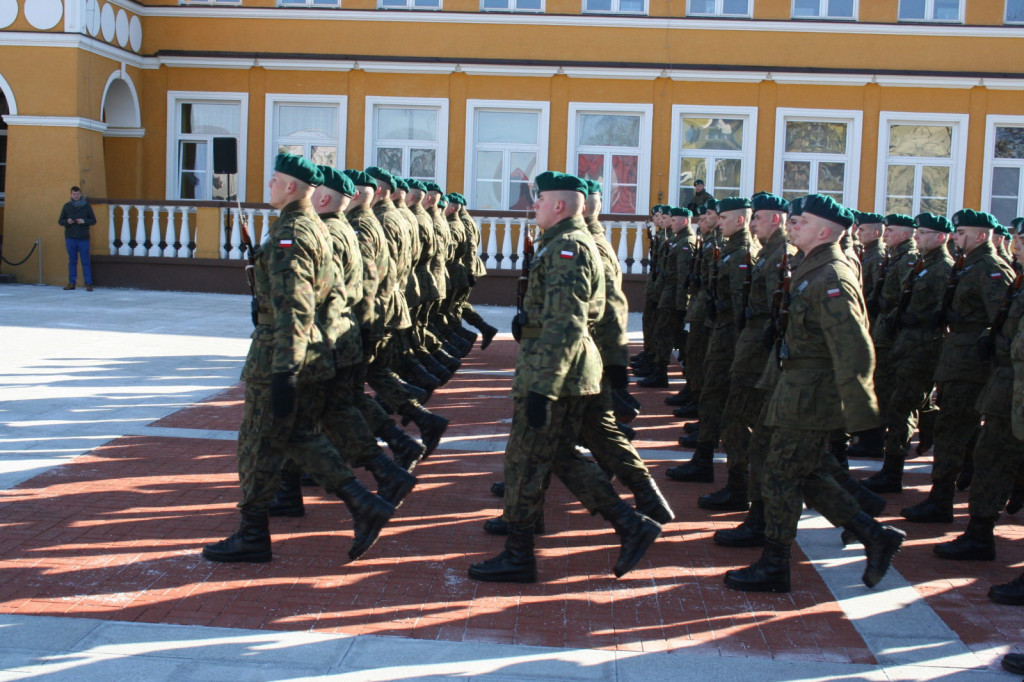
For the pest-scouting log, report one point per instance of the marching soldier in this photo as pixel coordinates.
(869, 233)
(477, 270)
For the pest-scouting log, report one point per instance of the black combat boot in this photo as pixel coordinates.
(750, 533)
(870, 443)
(978, 542)
(692, 427)
(656, 379)
(447, 360)
(288, 500)
(488, 332)
(889, 479)
(628, 431)
(733, 497)
(638, 358)
(870, 502)
(455, 347)
(516, 564)
(431, 364)
(881, 543)
(250, 543)
(432, 426)
(644, 368)
(700, 468)
(421, 376)
(681, 398)
(770, 573)
(498, 489)
(370, 513)
(1013, 663)
(499, 526)
(689, 439)
(687, 411)
(650, 502)
(936, 508)
(420, 395)
(407, 450)
(636, 533)
(465, 334)
(1011, 593)
(393, 481)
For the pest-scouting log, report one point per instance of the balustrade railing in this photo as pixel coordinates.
(258, 217)
(144, 228)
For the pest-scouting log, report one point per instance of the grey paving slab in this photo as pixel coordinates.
(58, 634)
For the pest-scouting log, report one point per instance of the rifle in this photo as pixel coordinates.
(250, 267)
(748, 273)
(905, 295)
(781, 286)
(693, 276)
(782, 321)
(650, 250)
(524, 279)
(950, 292)
(988, 345)
(874, 299)
(713, 284)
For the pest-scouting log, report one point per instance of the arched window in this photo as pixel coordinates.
(4, 110)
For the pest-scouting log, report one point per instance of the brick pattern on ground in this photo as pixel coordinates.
(116, 534)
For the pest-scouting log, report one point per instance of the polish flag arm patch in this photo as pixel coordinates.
(997, 275)
(285, 243)
(833, 293)
(567, 254)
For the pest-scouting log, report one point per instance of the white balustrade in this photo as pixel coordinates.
(505, 256)
(492, 243)
(235, 250)
(110, 231)
(175, 235)
(126, 232)
(638, 250)
(140, 231)
(154, 232)
(184, 235)
(169, 250)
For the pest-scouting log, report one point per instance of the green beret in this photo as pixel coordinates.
(299, 168)
(381, 175)
(338, 181)
(862, 218)
(711, 205)
(733, 204)
(553, 181)
(401, 184)
(434, 187)
(899, 220)
(824, 206)
(1003, 230)
(456, 198)
(442, 202)
(416, 184)
(936, 223)
(658, 209)
(701, 210)
(765, 201)
(1016, 223)
(967, 217)
(360, 179)
(796, 206)
(594, 187)
(680, 212)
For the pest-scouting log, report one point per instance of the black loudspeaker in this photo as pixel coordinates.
(225, 155)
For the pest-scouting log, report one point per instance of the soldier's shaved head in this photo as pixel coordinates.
(556, 205)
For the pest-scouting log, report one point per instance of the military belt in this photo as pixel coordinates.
(533, 331)
(265, 318)
(976, 327)
(807, 363)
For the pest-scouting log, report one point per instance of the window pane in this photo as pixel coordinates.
(590, 167)
(936, 205)
(1005, 182)
(209, 119)
(223, 187)
(690, 170)
(1005, 210)
(796, 177)
(324, 155)
(837, 196)
(947, 10)
(296, 149)
(487, 195)
(912, 9)
(623, 184)
(495, 4)
(840, 9)
(1015, 10)
(393, 3)
(914, 140)
(511, 127)
(631, 5)
(421, 164)
(609, 130)
(390, 159)
(736, 7)
(900, 181)
(727, 176)
(713, 133)
(599, 5)
(831, 177)
(523, 166)
(1010, 141)
(528, 4)
(192, 165)
(816, 137)
(805, 8)
(488, 165)
(406, 124)
(306, 121)
(624, 169)
(904, 205)
(935, 181)
(702, 6)
(427, 4)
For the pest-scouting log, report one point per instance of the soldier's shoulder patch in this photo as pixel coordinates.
(996, 275)
(834, 292)
(567, 253)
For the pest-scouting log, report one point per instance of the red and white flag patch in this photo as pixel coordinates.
(832, 293)
(567, 254)
(997, 275)
(285, 242)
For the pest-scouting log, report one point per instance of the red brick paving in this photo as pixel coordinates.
(116, 533)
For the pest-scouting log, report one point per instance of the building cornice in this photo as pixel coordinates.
(56, 122)
(79, 41)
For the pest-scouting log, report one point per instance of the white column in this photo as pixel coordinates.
(638, 248)
(492, 243)
(505, 260)
(265, 221)
(126, 231)
(184, 234)
(236, 235)
(154, 232)
(623, 250)
(140, 231)
(169, 233)
(111, 230)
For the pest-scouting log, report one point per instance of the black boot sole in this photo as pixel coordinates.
(648, 534)
(250, 558)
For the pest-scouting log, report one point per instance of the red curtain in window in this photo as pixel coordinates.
(590, 166)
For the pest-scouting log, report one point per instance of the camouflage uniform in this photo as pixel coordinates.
(901, 262)
(825, 384)
(696, 316)
(677, 257)
(429, 291)
(294, 275)
(475, 265)
(871, 269)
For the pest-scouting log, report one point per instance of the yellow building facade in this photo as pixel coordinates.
(888, 105)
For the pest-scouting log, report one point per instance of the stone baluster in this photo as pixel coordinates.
(184, 236)
(154, 232)
(235, 249)
(504, 262)
(139, 249)
(170, 248)
(638, 248)
(492, 243)
(224, 212)
(623, 250)
(124, 246)
(111, 231)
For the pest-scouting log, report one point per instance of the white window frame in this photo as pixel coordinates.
(929, 8)
(3, 159)
(270, 116)
(512, 8)
(299, 4)
(1006, 11)
(957, 160)
(174, 99)
(992, 122)
(643, 165)
(474, 105)
(615, 9)
(718, 11)
(210, 2)
(443, 124)
(748, 155)
(411, 5)
(824, 17)
(854, 118)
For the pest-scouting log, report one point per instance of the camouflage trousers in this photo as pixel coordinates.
(382, 378)
(798, 468)
(533, 454)
(693, 356)
(739, 418)
(648, 318)
(666, 336)
(908, 396)
(455, 304)
(998, 456)
(713, 397)
(424, 313)
(609, 446)
(372, 412)
(265, 442)
(884, 379)
(954, 430)
(757, 449)
(471, 317)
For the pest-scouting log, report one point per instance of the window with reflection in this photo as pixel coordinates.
(824, 9)
(1007, 183)
(615, 6)
(323, 4)
(919, 164)
(409, 4)
(309, 130)
(608, 150)
(718, 8)
(815, 158)
(506, 148)
(198, 122)
(712, 150)
(512, 5)
(1014, 11)
(931, 10)
(406, 141)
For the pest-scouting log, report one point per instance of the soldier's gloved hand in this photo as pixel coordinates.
(873, 307)
(472, 280)
(254, 311)
(616, 375)
(986, 347)
(282, 394)
(537, 410)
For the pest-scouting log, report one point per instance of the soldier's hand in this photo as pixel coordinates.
(282, 394)
(537, 410)
(472, 280)
(986, 347)
(616, 375)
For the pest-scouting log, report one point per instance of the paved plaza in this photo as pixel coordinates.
(118, 411)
